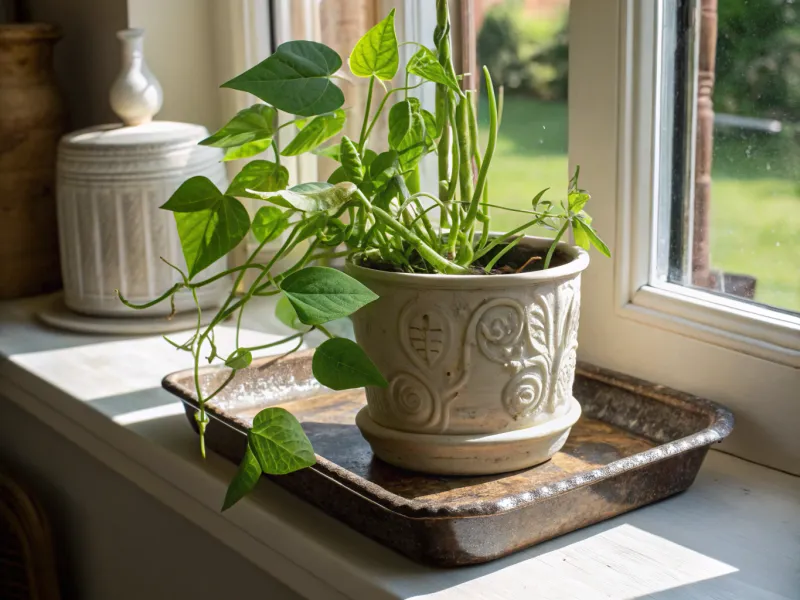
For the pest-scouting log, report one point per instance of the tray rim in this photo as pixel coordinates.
(720, 428)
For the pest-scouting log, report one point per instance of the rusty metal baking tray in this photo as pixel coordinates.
(635, 443)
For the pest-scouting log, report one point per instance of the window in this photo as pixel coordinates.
(525, 47)
(728, 218)
(638, 120)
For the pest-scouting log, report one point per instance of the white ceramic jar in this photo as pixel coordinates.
(480, 367)
(111, 181)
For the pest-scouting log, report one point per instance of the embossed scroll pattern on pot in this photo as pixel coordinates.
(535, 342)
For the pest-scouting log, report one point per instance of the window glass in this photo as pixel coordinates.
(524, 44)
(729, 206)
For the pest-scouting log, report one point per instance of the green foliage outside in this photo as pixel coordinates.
(758, 56)
(758, 59)
(525, 55)
(755, 211)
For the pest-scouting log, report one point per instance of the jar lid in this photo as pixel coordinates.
(155, 133)
(159, 149)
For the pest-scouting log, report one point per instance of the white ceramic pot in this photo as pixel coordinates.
(480, 367)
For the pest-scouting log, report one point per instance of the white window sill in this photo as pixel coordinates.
(734, 534)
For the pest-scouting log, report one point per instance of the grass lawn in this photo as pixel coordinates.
(755, 218)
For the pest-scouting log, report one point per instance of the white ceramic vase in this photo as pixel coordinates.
(136, 95)
(480, 368)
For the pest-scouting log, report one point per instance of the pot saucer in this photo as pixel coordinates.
(471, 454)
(58, 315)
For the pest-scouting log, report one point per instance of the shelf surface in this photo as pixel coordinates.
(735, 534)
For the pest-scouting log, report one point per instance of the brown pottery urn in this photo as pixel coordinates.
(31, 123)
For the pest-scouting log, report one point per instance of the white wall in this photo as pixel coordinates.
(179, 48)
(114, 540)
(87, 57)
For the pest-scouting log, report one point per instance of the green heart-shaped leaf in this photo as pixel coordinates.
(244, 481)
(341, 364)
(339, 175)
(208, 235)
(331, 152)
(322, 294)
(383, 168)
(317, 131)
(313, 197)
(577, 200)
(286, 314)
(425, 64)
(592, 235)
(538, 198)
(296, 79)
(432, 131)
(247, 150)
(376, 53)
(249, 125)
(279, 443)
(407, 133)
(261, 176)
(368, 157)
(194, 194)
(240, 359)
(268, 223)
(578, 233)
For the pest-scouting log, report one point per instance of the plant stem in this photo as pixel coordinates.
(224, 312)
(276, 151)
(476, 156)
(490, 265)
(200, 416)
(444, 147)
(552, 248)
(327, 333)
(427, 230)
(242, 267)
(487, 157)
(276, 343)
(465, 164)
(440, 263)
(362, 140)
(500, 239)
(329, 255)
(454, 158)
(381, 106)
(161, 298)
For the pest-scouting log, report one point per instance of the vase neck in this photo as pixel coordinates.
(132, 48)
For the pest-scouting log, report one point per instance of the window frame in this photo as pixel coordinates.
(739, 354)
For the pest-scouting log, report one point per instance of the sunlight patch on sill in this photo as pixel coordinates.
(113, 368)
(620, 563)
(149, 414)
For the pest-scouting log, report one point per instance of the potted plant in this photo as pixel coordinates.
(466, 338)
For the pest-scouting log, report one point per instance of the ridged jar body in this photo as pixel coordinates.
(111, 182)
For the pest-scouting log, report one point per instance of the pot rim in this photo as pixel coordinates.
(579, 262)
